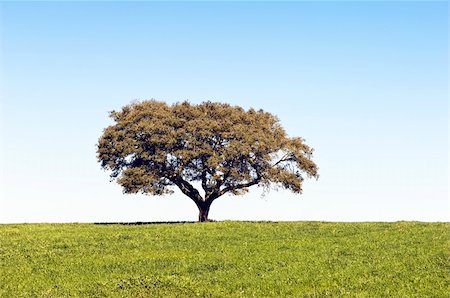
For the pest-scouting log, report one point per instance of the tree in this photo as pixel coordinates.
(152, 147)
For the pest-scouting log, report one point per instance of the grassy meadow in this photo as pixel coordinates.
(226, 259)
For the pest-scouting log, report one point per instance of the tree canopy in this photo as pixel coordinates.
(153, 146)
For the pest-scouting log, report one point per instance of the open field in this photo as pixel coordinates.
(226, 259)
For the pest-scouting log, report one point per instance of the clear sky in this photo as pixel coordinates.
(365, 83)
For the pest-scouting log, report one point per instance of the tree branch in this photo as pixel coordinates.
(239, 186)
(286, 157)
(205, 183)
(206, 170)
(187, 189)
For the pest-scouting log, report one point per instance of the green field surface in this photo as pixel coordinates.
(226, 259)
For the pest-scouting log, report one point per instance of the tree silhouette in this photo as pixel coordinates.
(153, 146)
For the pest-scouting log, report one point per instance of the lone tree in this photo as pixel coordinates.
(153, 146)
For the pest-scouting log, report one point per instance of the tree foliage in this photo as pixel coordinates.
(153, 146)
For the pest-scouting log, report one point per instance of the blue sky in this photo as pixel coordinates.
(365, 83)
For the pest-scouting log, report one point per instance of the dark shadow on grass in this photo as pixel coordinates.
(144, 223)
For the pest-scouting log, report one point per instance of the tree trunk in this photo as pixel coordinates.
(203, 213)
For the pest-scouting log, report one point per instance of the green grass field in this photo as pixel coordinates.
(226, 259)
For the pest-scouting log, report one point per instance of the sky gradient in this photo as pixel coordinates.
(365, 83)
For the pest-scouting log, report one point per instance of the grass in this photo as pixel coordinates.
(226, 259)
